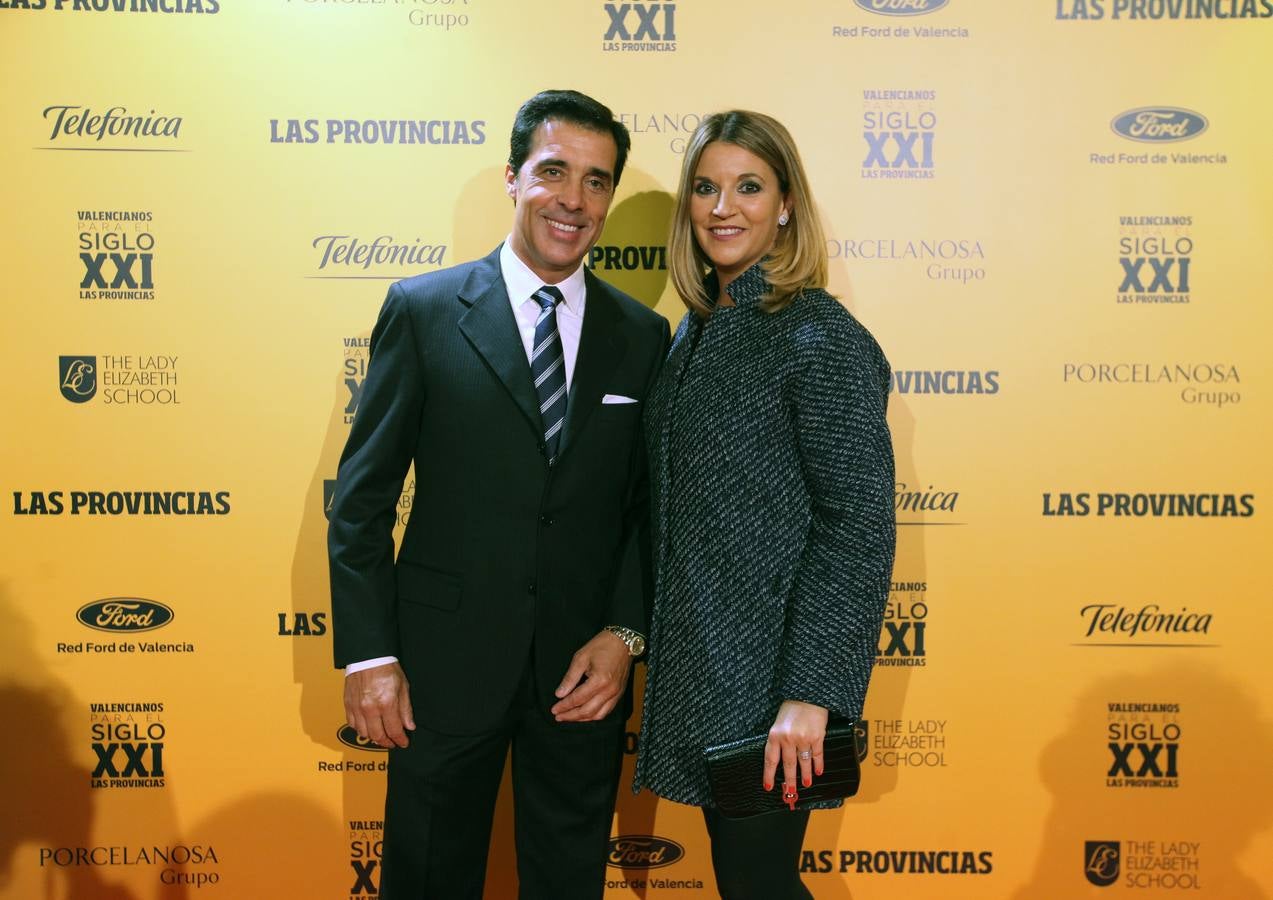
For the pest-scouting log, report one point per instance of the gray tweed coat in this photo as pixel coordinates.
(771, 477)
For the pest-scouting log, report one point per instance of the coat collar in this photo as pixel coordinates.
(748, 289)
(490, 327)
(601, 348)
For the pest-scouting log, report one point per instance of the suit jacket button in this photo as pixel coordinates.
(530, 590)
(545, 520)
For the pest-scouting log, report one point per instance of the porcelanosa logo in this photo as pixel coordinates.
(901, 7)
(1159, 124)
(179, 861)
(1215, 384)
(130, 614)
(953, 260)
(675, 128)
(640, 28)
(440, 15)
(71, 123)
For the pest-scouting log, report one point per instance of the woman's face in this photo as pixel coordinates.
(735, 203)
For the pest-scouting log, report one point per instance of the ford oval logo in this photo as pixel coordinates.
(643, 851)
(125, 614)
(348, 735)
(1159, 124)
(901, 7)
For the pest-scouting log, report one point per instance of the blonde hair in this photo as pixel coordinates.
(798, 259)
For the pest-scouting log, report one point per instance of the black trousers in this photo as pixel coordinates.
(758, 857)
(441, 800)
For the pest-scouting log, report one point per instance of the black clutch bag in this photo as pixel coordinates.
(734, 773)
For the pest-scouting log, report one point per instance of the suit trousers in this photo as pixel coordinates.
(441, 800)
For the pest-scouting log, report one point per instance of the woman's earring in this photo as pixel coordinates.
(782, 219)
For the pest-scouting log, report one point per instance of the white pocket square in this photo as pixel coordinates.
(617, 398)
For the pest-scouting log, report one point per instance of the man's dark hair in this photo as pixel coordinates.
(566, 106)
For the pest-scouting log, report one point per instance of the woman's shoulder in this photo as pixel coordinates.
(823, 320)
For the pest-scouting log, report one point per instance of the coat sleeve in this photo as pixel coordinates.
(368, 484)
(633, 595)
(836, 604)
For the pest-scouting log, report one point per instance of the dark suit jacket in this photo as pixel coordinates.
(502, 555)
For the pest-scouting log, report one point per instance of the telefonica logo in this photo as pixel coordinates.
(125, 614)
(1159, 124)
(643, 851)
(901, 7)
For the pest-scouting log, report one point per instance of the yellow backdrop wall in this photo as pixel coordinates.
(1053, 214)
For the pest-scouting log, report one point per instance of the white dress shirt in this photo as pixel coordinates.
(521, 283)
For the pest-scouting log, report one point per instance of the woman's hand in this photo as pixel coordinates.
(796, 740)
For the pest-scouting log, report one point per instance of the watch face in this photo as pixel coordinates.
(638, 645)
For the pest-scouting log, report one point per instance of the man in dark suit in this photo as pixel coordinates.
(520, 593)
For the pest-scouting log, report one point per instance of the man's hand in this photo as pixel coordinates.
(603, 664)
(378, 705)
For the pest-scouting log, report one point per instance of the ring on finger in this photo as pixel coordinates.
(805, 754)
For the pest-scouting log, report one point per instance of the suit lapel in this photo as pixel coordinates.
(490, 327)
(601, 349)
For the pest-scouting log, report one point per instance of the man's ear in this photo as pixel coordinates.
(510, 182)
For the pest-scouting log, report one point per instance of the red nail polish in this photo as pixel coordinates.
(807, 781)
(769, 785)
(790, 795)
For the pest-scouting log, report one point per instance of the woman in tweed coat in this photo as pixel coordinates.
(772, 496)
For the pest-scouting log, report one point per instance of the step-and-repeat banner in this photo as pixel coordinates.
(1053, 214)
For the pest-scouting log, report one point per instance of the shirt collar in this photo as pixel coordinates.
(522, 283)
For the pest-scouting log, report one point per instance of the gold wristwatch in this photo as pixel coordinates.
(634, 639)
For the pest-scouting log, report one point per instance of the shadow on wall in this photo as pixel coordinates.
(631, 254)
(297, 848)
(49, 807)
(1221, 758)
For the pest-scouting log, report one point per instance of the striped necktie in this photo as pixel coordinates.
(548, 368)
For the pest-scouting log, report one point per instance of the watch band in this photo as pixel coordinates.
(634, 640)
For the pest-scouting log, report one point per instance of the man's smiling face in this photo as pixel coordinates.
(562, 193)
